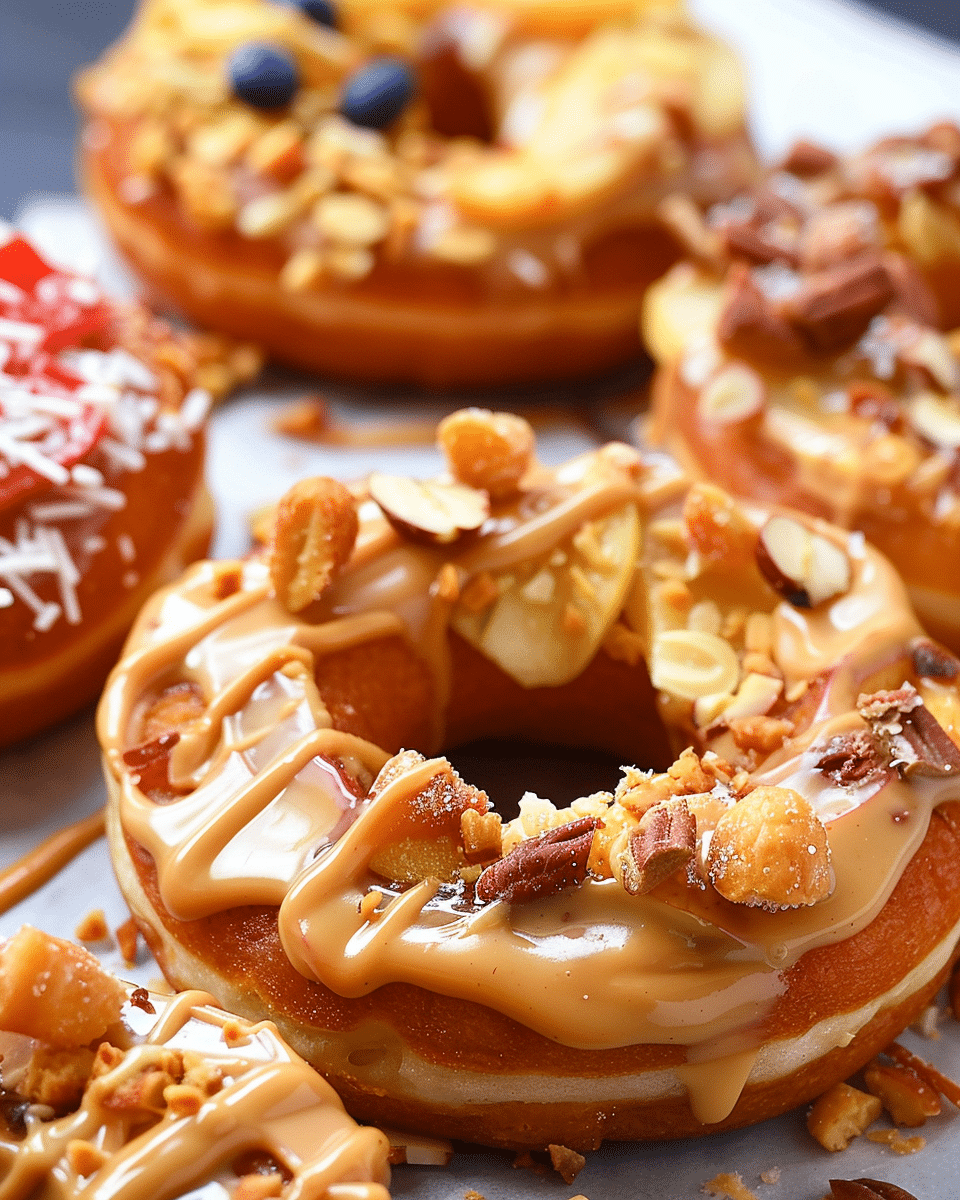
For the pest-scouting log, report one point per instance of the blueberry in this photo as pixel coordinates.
(262, 75)
(322, 11)
(378, 93)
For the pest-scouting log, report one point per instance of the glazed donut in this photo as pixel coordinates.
(911, 187)
(720, 938)
(101, 491)
(800, 365)
(502, 227)
(114, 1090)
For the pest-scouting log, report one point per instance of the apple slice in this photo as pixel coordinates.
(552, 612)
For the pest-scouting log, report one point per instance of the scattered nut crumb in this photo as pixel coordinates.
(566, 1162)
(127, 936)
(896, 1141)
(771, 1175)
(841, 1114)
(93, 927)
(729, 1185)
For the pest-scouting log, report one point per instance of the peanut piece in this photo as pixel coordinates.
(313, 536)
(487, 450)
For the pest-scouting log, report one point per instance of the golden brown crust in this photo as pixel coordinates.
(436, 325)
(242, 947)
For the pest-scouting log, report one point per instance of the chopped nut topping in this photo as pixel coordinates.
(428, 511)
(542, 866)
(692, 665)
(805, 567)
(736, 393)
(663, 842)
(934, 661)
(770, 849)
(750, 326)
(841, 1114)
(84, 1157)
(93, 927)
(717, 527)
(730, 1186)
(313, 536)
(907, 1098)
(896, 1141)
(834, 307)
(567, 1163)
(852, 759)
(351, 220)
(487, 450)
(763, 734)
(481, 834)
(914, 740)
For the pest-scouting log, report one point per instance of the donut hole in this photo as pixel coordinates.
(506, 769)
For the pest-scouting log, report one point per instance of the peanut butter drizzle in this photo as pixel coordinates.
(593, 968)
(271, 1101)
(27, 874)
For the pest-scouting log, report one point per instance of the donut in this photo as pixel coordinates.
(736, 925)
(101, 491)
(800, 364)
(115, 1090)
(448, 196)
(911, 187)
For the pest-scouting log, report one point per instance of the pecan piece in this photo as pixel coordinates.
(867, 1189)
(662, 843)
(807, 159)
(541, 867)
(750, 326)
(833, 308)
(852, 758)
(914, 739)
(934, 661)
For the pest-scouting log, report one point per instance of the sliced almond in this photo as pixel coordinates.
(691, 665)
(756, 695)
(805, 567)
(548, 619)
(937, 418)
(735, 394)
(428, 511)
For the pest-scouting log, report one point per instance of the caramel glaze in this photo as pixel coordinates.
(568, 309)
(598, 980)
(271, 1107)
(32, 871)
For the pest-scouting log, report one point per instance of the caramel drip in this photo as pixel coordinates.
(271, 1101)
(32, 871)
(592, 968)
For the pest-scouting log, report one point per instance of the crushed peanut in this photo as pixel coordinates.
(841, 1114)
